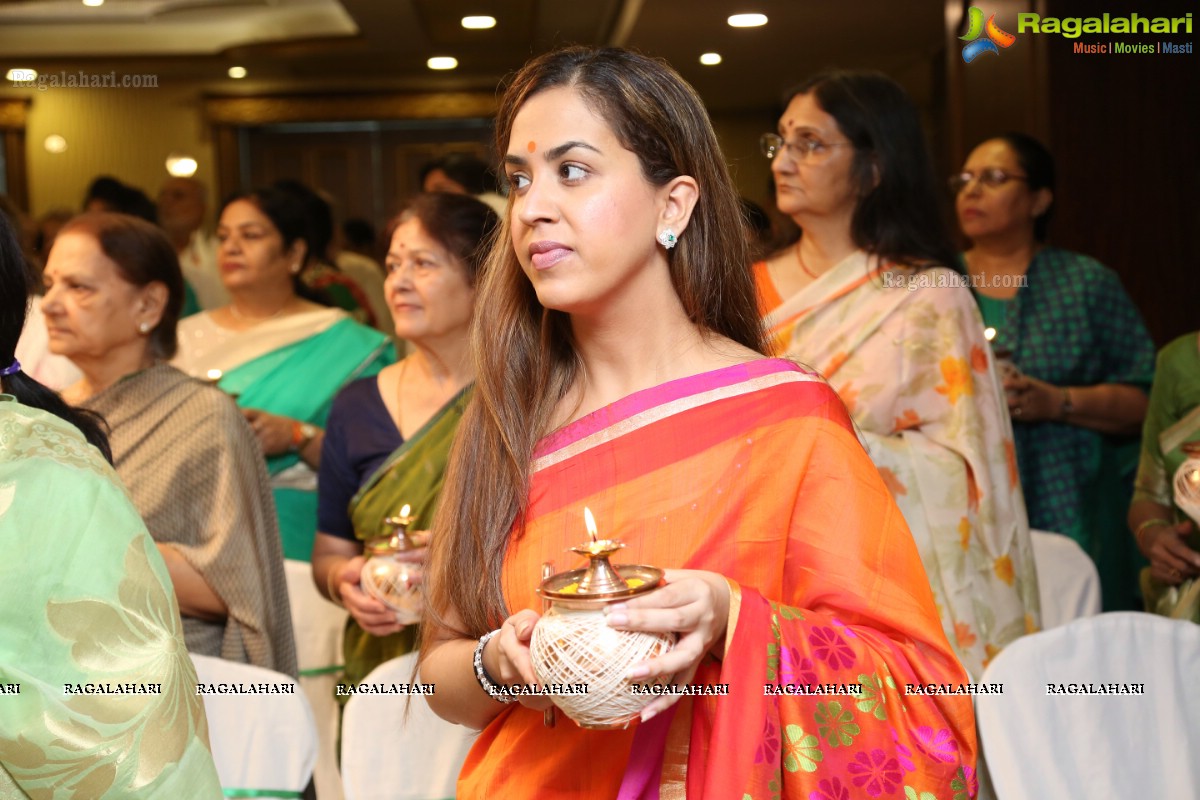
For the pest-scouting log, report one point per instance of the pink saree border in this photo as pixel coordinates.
(649, 405)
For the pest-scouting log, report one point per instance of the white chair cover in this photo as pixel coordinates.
(1040, 745)
(318, 626)
(259, 741)
(386, 756)
(1068, 583)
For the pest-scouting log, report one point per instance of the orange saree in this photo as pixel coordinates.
(753, 472)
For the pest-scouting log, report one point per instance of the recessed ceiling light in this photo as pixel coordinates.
(55, 144)
(93, 3)
(20, 75)
(710, 59)
(181, 165)
(237, 73)
(478, 23)
(747, 20)
(442, 62)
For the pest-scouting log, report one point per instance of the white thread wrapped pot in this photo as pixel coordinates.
(573, 645)
(395, 583)
(1187, 488)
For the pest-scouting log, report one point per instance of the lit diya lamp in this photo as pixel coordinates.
(1004, 361)
(213, 376)
(391, 581)
(1187, 492)
(572, 643)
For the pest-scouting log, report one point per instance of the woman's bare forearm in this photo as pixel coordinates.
(1113, 408)
(196, 598)
(458, 698)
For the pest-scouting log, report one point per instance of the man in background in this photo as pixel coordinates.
(182, 205)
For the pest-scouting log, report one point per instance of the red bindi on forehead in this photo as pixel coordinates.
(532, 146)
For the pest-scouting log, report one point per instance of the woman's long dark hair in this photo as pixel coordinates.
(14, 304)
(899, 214)
(525, 355)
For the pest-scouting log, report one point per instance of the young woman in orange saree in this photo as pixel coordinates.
(626, 376)
(753, 472)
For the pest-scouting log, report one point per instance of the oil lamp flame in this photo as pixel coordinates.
(590, 522)
(404, 509)
(214, 375)
(989, 333)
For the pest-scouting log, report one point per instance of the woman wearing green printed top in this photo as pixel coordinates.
(282, 355)
(389, 436)
(1082, 355)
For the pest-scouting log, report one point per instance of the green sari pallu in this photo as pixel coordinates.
(1177, 601)
(414, 475)
(299, 381)
(1172, 422)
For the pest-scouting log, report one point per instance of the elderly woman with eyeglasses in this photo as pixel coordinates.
(1083, 359)
(865, 297)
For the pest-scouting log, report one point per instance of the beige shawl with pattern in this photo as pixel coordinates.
(198, 479)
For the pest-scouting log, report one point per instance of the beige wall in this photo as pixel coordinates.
(126, 133)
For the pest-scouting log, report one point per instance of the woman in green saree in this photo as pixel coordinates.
(1164, 532)
(282, 355)
(389, 436)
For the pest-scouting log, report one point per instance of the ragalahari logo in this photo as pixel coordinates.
(996, 37)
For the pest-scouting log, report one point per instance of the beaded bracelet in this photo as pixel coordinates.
(485, 681)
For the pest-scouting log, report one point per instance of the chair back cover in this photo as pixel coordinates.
(1052, 734)
(388, 756)
(318, 626)
(1068, 583)
(260, 741)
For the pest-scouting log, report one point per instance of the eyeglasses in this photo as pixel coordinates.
(807, 147)
(990, 177)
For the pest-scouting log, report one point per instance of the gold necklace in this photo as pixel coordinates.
(238, 315)
(804, 266)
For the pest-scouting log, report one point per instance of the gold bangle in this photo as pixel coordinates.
(1146, 525)
(334, 597)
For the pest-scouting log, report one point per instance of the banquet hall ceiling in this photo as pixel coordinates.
(301, 46)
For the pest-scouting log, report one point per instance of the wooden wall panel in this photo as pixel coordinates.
(368, 173)
(1124, 131)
